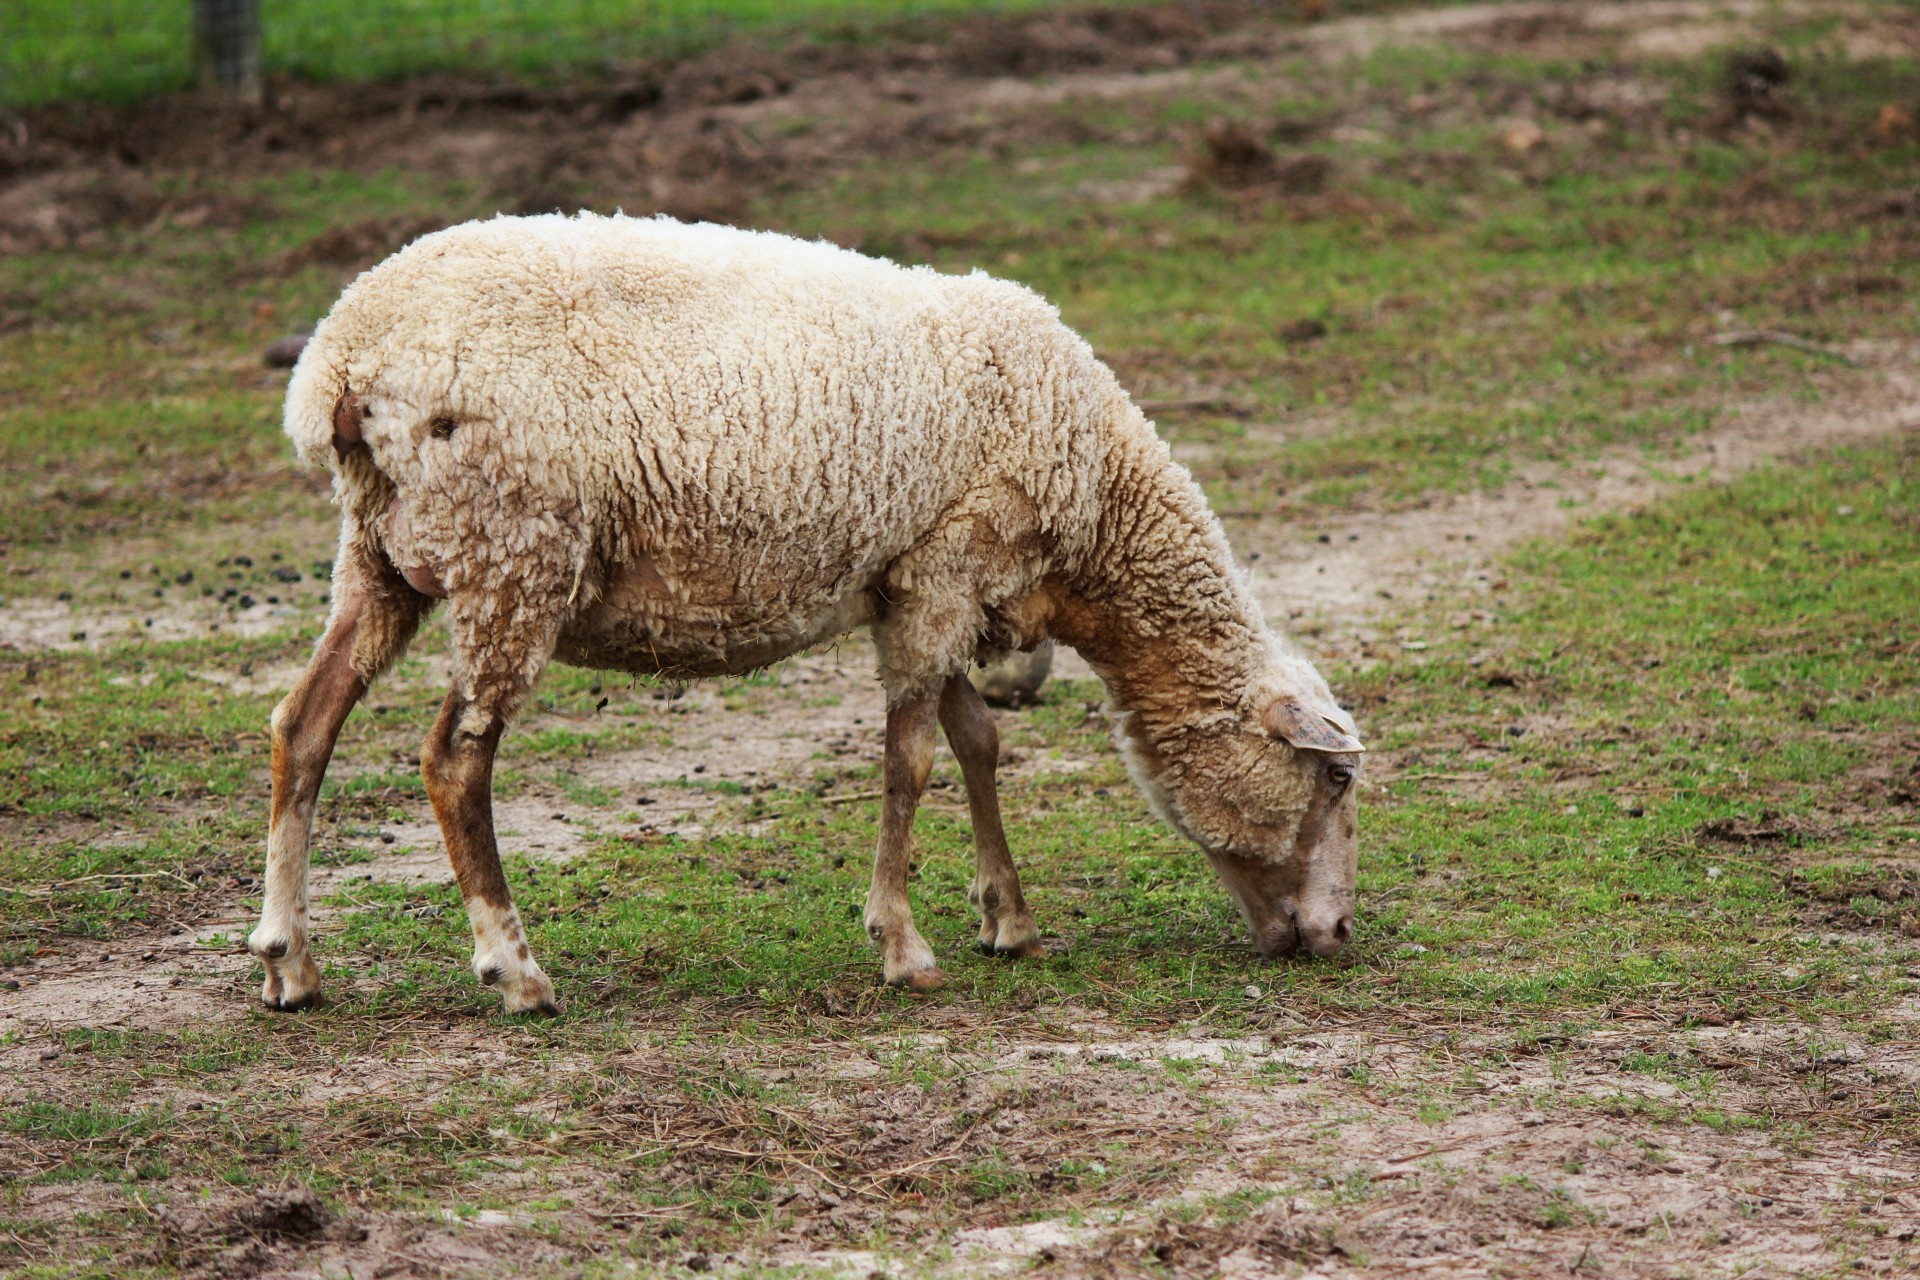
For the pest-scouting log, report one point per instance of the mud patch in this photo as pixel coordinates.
(357, 245)
(290, 1231)
(60, 209)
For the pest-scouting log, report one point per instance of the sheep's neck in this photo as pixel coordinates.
(1157, 608)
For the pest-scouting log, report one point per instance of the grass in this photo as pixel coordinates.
(1604, 274)
(117, 50)
(1650, 792)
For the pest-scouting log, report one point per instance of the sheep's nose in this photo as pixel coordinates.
(1324, 939)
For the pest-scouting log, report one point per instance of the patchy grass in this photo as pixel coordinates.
(1581, 756)
(1468, 310)
(1478, 309)
(695, 969)
(116, 50)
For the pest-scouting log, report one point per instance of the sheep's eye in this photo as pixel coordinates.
(442, 428)
(1340, 775)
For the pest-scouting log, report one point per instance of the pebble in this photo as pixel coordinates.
(284, 353)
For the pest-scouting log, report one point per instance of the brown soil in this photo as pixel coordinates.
(1539, 1154)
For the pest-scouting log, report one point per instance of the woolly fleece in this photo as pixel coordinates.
(690, 450)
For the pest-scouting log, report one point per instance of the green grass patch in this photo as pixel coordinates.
(118, 50)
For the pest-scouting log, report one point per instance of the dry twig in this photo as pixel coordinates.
(1759, 337)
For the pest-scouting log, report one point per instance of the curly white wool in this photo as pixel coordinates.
(688, 449)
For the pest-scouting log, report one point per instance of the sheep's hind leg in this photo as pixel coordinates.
(906, 957)
(371, 626)
(304, 728)
(457, 762)
(1006, 926)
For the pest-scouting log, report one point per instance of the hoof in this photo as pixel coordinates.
(920, 981)
(1034, 950)
(293, 980)
(1014, 937)
(294, 1004)
(531, 995)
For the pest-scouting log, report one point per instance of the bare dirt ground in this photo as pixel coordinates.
(1556, 1165)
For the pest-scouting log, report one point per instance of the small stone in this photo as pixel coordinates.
(1892, 121)
(1253, 991)
(1523, 136)
(1305, 329)
(284, 353)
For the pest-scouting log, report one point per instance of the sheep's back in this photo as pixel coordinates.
(783, 418)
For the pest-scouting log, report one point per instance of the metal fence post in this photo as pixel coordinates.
(226, 47)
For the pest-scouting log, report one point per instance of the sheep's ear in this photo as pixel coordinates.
(1291, 720)
(347, 415)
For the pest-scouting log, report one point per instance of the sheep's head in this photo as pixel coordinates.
(1271, 796)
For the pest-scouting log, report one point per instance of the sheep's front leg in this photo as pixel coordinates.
(457, 762)
(304, 727)
(907, 959)
(1006, 926)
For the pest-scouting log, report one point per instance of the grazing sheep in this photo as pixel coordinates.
(691, 451)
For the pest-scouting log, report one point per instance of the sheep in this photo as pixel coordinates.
(690, 450)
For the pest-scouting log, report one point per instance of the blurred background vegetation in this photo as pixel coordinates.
(123, 50)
